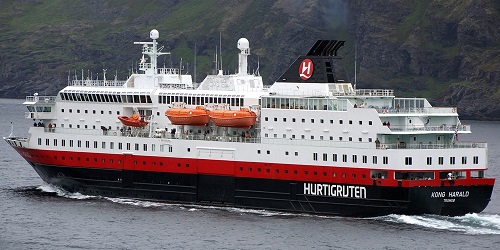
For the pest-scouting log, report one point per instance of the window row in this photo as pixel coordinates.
(321, 137)
(475, 160)
(86, 111)
(111, 145)
(305, 172)
(200, 100)
(354, 158)
(312, 120)
(111, 98)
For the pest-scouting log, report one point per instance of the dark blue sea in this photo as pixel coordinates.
(35, 215)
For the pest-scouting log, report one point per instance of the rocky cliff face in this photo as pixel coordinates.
(447, 51)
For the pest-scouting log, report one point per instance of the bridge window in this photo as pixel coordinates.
(475, 160)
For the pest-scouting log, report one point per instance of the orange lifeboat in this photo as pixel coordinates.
(134, 121)
(182, 116)
(233, 118)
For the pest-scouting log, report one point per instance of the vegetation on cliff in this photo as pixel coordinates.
(447, 51)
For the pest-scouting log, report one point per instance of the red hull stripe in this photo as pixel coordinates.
(277, 171)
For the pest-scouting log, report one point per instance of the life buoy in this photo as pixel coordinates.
(454, 110)
(114, 133)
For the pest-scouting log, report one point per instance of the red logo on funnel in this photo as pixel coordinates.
(306, 69)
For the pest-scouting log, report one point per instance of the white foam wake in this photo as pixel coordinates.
(48, 188)
(468, 224)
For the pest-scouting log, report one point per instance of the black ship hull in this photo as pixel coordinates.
(256, 193)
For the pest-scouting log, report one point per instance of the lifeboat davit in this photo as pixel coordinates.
(134, 121)
(242, 118)
(183, 116)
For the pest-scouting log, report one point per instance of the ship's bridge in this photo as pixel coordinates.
(39, 107)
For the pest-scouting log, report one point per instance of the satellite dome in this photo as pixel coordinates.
(243, 43)
(154, 34)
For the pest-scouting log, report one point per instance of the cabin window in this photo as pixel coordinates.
(374, 159)
(145, 147)
(429, 160)
(408, 161)
(137, 146)
(385, 160)
(79, 143)
(258, 151)
(354, 158)
(95, 144)
(111, 145)
(440, 160)
(39, 141)
(370, 123)
(464, 160)
(296, 153)
(350, 121)
(360, 122)
(331, 121)
(128, 145)
(284, 119)
(475, 160)
(325, 157)
(334, 157)
(344, 158)
(452, 160)
(365, 159)
(341, 121)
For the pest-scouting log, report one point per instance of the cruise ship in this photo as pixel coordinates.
(310, 143)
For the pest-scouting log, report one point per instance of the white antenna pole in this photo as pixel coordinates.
(11, 130)
(220, 49)
(194, 62)
(355, 60)
(216, 61)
